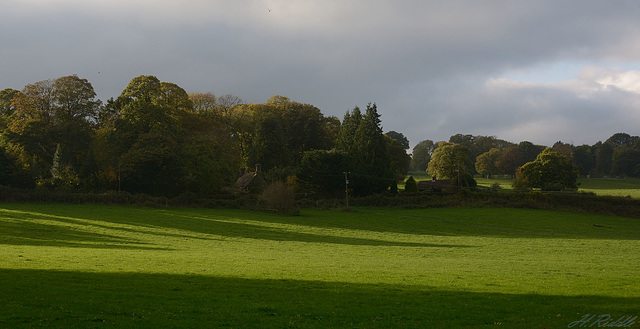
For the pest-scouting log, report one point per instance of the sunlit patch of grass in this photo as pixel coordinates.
(600, 186)
(611, 186)
(503, 182)
(366, 268)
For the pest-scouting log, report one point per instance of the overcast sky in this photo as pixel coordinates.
(540, 71)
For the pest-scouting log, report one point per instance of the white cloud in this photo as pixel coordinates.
(627, 81)
(581, 110)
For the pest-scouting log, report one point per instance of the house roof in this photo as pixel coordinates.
(245, 180)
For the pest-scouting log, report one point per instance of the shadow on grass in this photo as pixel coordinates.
(257, 231)
(101, 226)
(73, 299)
(476, 222)
(610, 183)
(26, 232)
(159, 223)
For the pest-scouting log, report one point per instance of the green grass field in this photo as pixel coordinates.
(110, 266)
(600, 186)
(611, 186)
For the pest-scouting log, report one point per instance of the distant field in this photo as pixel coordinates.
(611, 186)
(601, 186)
(111, 266)
(505, 183)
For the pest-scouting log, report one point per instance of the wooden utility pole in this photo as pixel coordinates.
(346, 189)
(119, 177)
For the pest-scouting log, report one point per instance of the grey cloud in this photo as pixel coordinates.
(425, 63)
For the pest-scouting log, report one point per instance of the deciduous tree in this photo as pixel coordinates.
(204, 102)
(619, 139)
(400, 161)
(510, 160)
(6, 102)
(626, 161)
(278, 133)
(549, 171)
(422, 155)
(529, 151)
(604, 154)
(50, 113)
(584, 159)
(228, 101)
(323, 171)
(399, 137)
(487, 162)
(146, 135)
(449, 161)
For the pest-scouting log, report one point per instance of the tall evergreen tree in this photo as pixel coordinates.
(347, 132)
(361, 138)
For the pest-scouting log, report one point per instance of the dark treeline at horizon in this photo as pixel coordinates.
(156, 138)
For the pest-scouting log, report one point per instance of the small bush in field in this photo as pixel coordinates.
(279, 196)
(410, 186)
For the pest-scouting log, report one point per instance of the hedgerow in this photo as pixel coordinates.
(566, 201)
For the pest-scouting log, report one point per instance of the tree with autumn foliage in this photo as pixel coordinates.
(52, 119)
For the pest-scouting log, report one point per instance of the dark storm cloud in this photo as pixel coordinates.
(433, 67)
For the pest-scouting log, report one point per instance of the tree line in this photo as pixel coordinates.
(618, 156)
(157, 139)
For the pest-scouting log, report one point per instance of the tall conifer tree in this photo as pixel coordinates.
(361, 138)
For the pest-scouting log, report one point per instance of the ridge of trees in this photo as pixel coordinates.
(157, 139)
(618, 156)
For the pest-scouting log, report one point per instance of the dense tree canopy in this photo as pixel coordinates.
(626, 161)
(51, 120)
(449, 161)
(549, 171)
(6, 102)
(361, 138)
(510, 159)
(487, 162)
(156, 138)
(584, 159)
(400, 137)
(422, 155)
(400, 161)
(323, 171)
(345, 141)
(276, 134)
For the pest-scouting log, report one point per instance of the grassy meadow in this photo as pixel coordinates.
(113, 266)
(601, 186)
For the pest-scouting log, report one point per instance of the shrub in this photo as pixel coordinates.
(552, 187)
(467, 181)
(410, 186)
(279, 196)
(393, 188)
